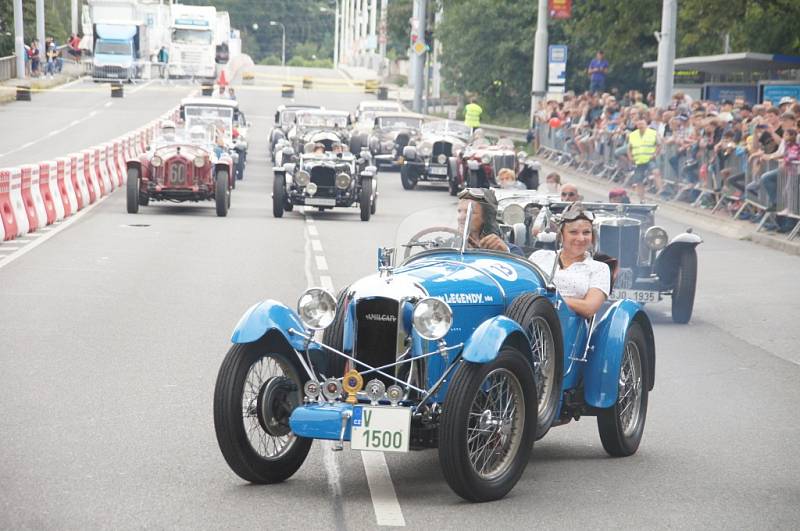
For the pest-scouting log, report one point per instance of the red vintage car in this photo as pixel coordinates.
(177, 171)
(480, 161)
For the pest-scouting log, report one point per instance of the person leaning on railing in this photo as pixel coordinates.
(788, 152)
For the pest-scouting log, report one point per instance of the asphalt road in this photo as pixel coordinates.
(112, 332)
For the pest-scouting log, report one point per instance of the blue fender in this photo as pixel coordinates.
(601, 375)
(487, 340)
(265, 316)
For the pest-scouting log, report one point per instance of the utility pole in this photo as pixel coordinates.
(40, 32)
(344, 51)
(383, 28)
(19, 39)
(336, 36)
(373, 37)
(74, 13)
(419, 65)
(666, 53)
(539, 81)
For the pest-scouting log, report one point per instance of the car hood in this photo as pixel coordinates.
(187, 151)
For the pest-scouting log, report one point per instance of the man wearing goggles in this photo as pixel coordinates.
(484, 232)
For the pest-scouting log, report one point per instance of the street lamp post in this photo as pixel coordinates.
(283, 40)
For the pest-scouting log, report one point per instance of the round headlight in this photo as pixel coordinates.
(332, 389)
(311, 188)
(522, 156)
(425, 151)
(486, 159)
(342, 181)
(316, 308)
(656, 238)
(432, 318)
(513, 214)
(442, 158)
(375, 390)
(156, 162)
(199, 162)
(311, 389)
(302, 177)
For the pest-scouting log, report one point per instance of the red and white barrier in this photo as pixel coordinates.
(18, 204)
(38, 201)
(118, 161)
(86, 170)
(50, 189)
(9, 225)
(75, 177)
(27, 198)
(102, 180)
(108, 178)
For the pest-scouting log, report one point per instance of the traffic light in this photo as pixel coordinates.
(429, 37)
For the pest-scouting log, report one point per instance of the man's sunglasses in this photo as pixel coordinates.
(569, 194)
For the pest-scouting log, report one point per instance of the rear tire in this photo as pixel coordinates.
(222, 193)
(684, 290)
(133, 190)
(278, 195)
(406, 179)
(365, 199)
(471, 414)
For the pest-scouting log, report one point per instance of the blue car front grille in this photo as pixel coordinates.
(376, 334)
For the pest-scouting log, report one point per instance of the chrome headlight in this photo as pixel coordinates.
(656, 238)
(432, 318)
(342, 181)
(442, 158)
(156, 161)
(311, 188)
(522, 156)
(311, 389)
(486, 159)
(199, 162)
(376, 390)
(513, 214)
(332, 389)
(316, 308)
(302, 177)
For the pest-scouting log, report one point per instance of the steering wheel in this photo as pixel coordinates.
(433, 243)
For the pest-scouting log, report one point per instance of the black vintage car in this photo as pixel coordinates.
(391, 133)
(650, 265)
(325, 180)
(432, 157)
(284, 121)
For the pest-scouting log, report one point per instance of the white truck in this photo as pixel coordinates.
(193, 50)
(222, 38)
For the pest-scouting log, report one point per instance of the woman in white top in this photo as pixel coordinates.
(583, 282)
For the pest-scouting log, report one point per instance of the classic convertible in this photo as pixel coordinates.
(468, 351)
(432, 158)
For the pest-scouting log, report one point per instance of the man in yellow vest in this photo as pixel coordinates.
(472, 114)
(643, 147)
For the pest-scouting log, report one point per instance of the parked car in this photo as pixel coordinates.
(326, 181)
(284, 120)
(433, 158)
(480, 161)
(391, 132)
(651, 266)
(468, 351)
(189, 167)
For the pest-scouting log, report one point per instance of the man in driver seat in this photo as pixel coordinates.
(484, 233)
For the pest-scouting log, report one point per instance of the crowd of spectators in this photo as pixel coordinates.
(693, 150)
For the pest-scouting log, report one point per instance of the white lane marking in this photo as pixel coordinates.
(108, 104)
(326, 282)
(93, 113)
(316, 245)
(4, 248)
(51, 232)
(322, 264)
(74, 82)
(140, 87)
(384, 497)
(27, 144)
(74, 123)
(55, 132)
(309, 220)
(312, 230)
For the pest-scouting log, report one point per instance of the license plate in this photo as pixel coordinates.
(320, 201)
(381, 429)
(634, 295)
(435, 170)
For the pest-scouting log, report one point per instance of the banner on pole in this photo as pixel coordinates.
(559, 9)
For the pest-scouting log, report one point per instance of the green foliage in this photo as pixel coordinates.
(56, 16)
(398, 28)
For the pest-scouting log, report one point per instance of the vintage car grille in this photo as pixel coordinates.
(176, 174)
(327, 143)
(325, 179)
(442, 147)
(620, 238)
(503, 161)
(376, 333)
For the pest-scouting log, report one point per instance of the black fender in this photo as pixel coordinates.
(666, 266)
(452, 168)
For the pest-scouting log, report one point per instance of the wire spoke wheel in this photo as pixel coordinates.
(543, 353)
(630, 389)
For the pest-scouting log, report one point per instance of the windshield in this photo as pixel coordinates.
(214, 120)
(443, 127)
(399, 122)
(321, 120)
(113, 48)
(192, 36)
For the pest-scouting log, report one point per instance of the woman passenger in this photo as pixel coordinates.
(584, 283)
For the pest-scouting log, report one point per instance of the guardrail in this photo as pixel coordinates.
(8, 67)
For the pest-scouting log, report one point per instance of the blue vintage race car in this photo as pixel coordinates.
(469, 351)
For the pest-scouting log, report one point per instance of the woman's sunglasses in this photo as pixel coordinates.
(575, 214)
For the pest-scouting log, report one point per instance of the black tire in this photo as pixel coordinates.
(458, 419)
(473, 179)
(356, 143)
(406, 179)
(144, 198)
(365, 199)
(685, 284)
(374, 205)
(620, 438)
(133, 190)
(452, 187)
(222, 194)
(234, 430)
(288, 206)
(333, 336)
(278, 195)
(537, 317)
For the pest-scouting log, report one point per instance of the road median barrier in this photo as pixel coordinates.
(287, 91)
(116, 90)
(307, 82)
(371, 86)
(23, 93)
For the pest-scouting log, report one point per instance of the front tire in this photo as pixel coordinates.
(491, 404)
(365, 199)
(473, 179)
(622, 425)
(222, 193)
(256, 391)
(406, 179)
(539, 320)
(333, 336)
(133, 190)
(278, 195)
(685, 285)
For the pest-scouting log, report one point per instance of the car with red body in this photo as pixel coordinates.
(480, 161)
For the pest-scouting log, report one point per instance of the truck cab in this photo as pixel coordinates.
(116, 52)
(192, 42)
